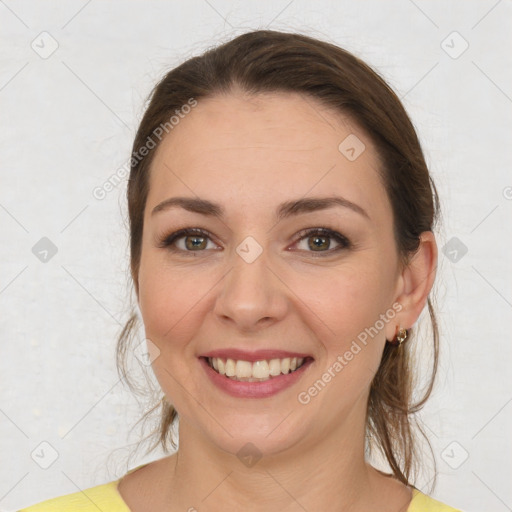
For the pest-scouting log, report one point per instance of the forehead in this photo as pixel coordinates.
(281, 143)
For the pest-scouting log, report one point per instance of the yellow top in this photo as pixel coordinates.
(106, 498)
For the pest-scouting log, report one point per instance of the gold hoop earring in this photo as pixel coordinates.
(400, 337)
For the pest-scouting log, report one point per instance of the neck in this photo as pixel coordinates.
(327, 475)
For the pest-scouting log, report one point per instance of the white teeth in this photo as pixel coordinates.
(257, 371)
(274, 367)
(230, 368)
(243, 369)
(260, 370)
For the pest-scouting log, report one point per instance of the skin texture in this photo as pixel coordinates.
(250, 154)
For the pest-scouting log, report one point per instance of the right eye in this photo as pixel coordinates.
(187, 240)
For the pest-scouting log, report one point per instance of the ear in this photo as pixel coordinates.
(414, 284)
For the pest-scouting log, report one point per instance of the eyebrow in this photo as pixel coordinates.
(285, 210)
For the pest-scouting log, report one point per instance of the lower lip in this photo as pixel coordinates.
(241, 389)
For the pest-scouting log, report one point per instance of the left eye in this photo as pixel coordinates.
(320, 240)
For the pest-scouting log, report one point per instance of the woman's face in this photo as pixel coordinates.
(254, 285)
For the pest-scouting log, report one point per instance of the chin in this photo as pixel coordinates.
(256, 435)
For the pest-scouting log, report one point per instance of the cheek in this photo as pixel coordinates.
(348, 299)
(350, 304)
(170, 301)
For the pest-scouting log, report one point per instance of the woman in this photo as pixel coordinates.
(281, 216)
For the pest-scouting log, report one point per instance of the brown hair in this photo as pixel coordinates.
(269, 61)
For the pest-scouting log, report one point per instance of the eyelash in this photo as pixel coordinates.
(168, 240)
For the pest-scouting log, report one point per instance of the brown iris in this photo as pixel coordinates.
(319, 242)
(197, 242)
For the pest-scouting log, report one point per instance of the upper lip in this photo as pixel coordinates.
(257, 355)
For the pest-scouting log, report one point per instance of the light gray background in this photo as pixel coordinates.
(68, 121)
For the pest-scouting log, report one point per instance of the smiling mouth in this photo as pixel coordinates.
(257, 371)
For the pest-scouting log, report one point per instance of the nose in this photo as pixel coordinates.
(251, 295)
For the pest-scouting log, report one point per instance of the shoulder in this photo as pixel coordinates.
(103, 497)
(422, 503)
